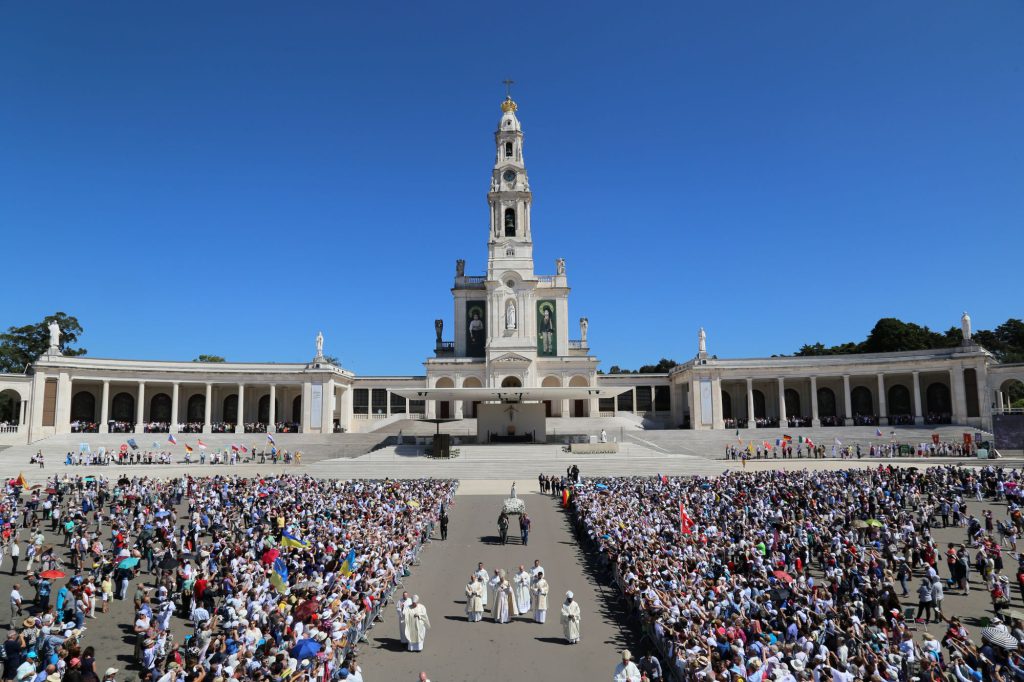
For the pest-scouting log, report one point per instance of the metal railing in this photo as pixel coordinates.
(471, 282)
(577, 344)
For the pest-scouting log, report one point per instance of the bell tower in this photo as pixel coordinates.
(510, 245)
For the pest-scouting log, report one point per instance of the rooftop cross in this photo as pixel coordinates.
(508, 86)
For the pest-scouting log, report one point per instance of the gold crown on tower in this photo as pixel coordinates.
(508, 105)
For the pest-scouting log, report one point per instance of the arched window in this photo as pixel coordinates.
(160, 408)
(899, 400)
(83, 407)
(826, 402)
(508, 150)
(10, 407)
(122, 408)
(758, 404)
(792, 403)
(511, 382)
(860, 401)
(196, 408)
(510, 222)
(230, 413)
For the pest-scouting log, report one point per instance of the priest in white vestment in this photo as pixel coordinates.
(571, 619)
(400, 606)
(474, 600)
(504, 604)
(416, 624)
(482, 573)
(540, 598)
(521, 589)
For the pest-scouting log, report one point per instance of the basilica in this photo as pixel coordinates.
(515, 359)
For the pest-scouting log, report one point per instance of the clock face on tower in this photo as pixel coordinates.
(509, 176)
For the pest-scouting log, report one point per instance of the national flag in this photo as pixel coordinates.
(838, 442)
(778, 442)
(800, 439)
(289, 540)
(21, 481)
(565, 497)
(279, 575)
(664, 478)
(188, 448)
(131, 442)
(809, 442)
(242, 448)
(83, 447)
(786, 438)
(350, 563)
(750, 447)
(171, 439)
(686, 524)
(271, 439)
(101, 452)
(202, 444)
(878, 432)
(767, 445)
(234, 448)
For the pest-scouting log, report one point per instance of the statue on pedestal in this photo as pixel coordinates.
(702, 341)
(965, 326)
(584, 323)
(438, 328)
(510, 314)
(460, 268)
(559, 266)
(54, 335)
(319, 344)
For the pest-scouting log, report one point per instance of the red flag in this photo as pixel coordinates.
(686, 524)
(664, 478)
(565, 497)
(242, 448)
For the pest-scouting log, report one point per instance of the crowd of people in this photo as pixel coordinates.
(787, 449)
(273, 577)
(799, 575)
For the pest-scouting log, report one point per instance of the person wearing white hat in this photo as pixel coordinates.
(571, 619)
(416, 624)
(626, 671)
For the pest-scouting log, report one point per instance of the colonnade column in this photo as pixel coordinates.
(959, 396)
(782, 402)
(984, 398)
(104, 408)
(240, 413)
(272, 418)
(815, 422)
(174, 408)
(999, 402)
(24, 413)
(847, 402)
(918, 418)
(139, 408)
(327, 408)
(717, 419)
(750, 404)
(208, 409)
(62, 418)
(881, 398)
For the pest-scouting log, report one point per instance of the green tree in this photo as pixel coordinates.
(333, 359)
(664, 365)
(890, 335)
(209, 358)
(22, 346)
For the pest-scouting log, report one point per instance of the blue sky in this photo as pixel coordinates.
(230, 177)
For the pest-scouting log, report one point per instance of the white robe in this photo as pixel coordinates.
(504, 604)
(483, 582)
(416, 625)
(571, 621)
(522, 591)
(474, 602)
(400, 606)
(540, 600)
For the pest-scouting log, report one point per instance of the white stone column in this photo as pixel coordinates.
(208, 409)
(718, 419)
(564, 407)
(327, 409)
(62, 417)
(23, 421)
(307, 401)
(847, 401)
(782, 403)
(815, 421)
(882, 413)
(999, 402)
(918, 417)
(635, 409)
(105, 408)
(958, 395)
(694, 405)
(240, 422)
(984, 398)
(750, 405)
(35, 420)
(273, 409)
(174, 407)
(345, 412)
(140, 408)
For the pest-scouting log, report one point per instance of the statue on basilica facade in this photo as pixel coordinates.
(54, 335)
(510, 314)
(965, 326)
(438, 328)
(584, 324)
(319, 344)
(702, 341)
(460, 268)
(559, 266)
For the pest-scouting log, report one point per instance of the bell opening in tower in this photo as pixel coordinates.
(510, 222)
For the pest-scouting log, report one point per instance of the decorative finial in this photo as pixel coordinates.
(508, 105)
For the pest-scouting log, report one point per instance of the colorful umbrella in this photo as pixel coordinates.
(53, 574)
(306, 648)
(130, 562)
(782, 575)
(875, 523)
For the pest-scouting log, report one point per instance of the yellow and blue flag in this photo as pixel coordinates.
(279, 576)
(350, 563)
(289, 540)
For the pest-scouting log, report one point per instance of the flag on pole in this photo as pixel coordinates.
(878, 432)
(202, 444)
(188, 449)
(279, 576)
(171, 439)
(838, 442)
(809, 442)
(787, 438)
(270, 438)
(234, 448)
(350, 563)
(131, 442)
(685, 522)
(800, 439)
(289, 540)
(664, 478)
(21, 481)
(83, 447)
(778, 442)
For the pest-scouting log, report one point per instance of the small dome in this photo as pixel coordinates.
(508, 105)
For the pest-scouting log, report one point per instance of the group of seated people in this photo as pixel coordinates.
(795, 576)
(82, 426)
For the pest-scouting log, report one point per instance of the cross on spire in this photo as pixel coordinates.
(508, 87)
